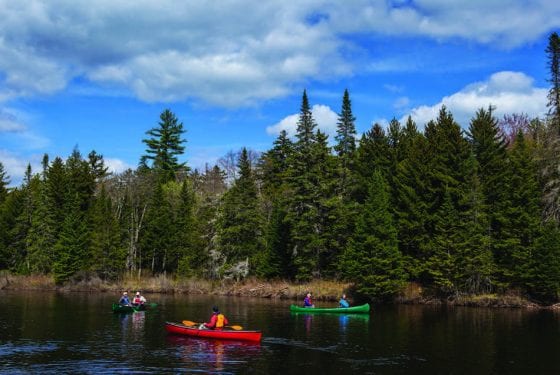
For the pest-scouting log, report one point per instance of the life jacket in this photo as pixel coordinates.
(220, 321)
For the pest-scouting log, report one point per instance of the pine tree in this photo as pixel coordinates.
(553, 54)
(346, 145)
(475, 263)
(489, 148)
(411, 205)
(108, 253)
(521, 218)
(4, 182)
(165, 145)
(156, 238)
(544, 280)
(72, 248)
(188, 235)
(372, 154)
(10, 211)
(56, 183)
(303, 215)
(240, 224)
(41, 238)
(97, 166)
(274, 164)
(444, 248)
(372, 260)
(80, 181)
(274, 169)
(20, 231)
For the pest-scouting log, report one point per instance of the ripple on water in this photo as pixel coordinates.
(25, 347)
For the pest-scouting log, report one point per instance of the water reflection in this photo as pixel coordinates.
(213, 355)
(138, 319)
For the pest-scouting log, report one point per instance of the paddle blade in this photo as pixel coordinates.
(153, 304)
(189, 323)
(237, 328)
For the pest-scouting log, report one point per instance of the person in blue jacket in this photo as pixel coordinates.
(124, 301)
(343, 301)
(307, 302)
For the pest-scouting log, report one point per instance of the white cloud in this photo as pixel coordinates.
(510, 92)
(175, 50)
(116, 165)
(9, 122)
(325, 117)
(15, 166)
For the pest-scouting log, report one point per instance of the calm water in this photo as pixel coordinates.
(50, 333)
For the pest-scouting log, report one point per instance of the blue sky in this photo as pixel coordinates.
(97, 74)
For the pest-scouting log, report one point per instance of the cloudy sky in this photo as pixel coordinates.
(97, 74)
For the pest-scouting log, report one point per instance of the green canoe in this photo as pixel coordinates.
(362, 309)
(127, 309)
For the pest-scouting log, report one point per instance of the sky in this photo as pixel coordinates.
(96, 74)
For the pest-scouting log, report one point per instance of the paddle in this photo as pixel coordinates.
(188, 323)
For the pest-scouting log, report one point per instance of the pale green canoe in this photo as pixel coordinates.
(362, 309)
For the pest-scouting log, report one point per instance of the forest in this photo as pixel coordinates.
(458, 211)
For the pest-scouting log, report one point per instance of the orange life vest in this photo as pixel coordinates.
(220, 321)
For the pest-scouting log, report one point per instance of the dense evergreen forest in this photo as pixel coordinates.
(456, 210)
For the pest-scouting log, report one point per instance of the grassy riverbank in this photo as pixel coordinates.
(323, 290)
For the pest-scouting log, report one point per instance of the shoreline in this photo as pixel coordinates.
(323, 290)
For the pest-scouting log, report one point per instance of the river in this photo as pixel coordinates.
(59, 333)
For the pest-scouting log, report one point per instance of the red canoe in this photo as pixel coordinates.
(182, 329)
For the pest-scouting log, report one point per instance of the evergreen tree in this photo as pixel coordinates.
(544, 280)
(41, 239)
(10, 211)
(240, 224)
(4, 182)
(475, 264)
(372, 154)
(80, 181)
(553, 54)
(156, 238)
(489, 148)
(97, 166)
(346, 145)
(303, 214)
(165, 145)
(521, 218)
(274, 164)
(56, 183)
(449, 153)
(372, 260)
(274, 173)
(188, 236)
(72, 247)
(411, 205)
(20, 231)
(108, 253)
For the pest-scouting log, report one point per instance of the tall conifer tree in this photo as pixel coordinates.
(241, 221)
(372, 260)
(165, 144)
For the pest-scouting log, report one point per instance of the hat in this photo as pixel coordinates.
(215, 309)
(137, 293)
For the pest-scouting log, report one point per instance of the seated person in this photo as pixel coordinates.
(217, 320)
(138, 299)
(124, 301)
(307, 302)
(343, 301)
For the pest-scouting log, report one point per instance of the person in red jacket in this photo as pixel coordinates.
(217, 320)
